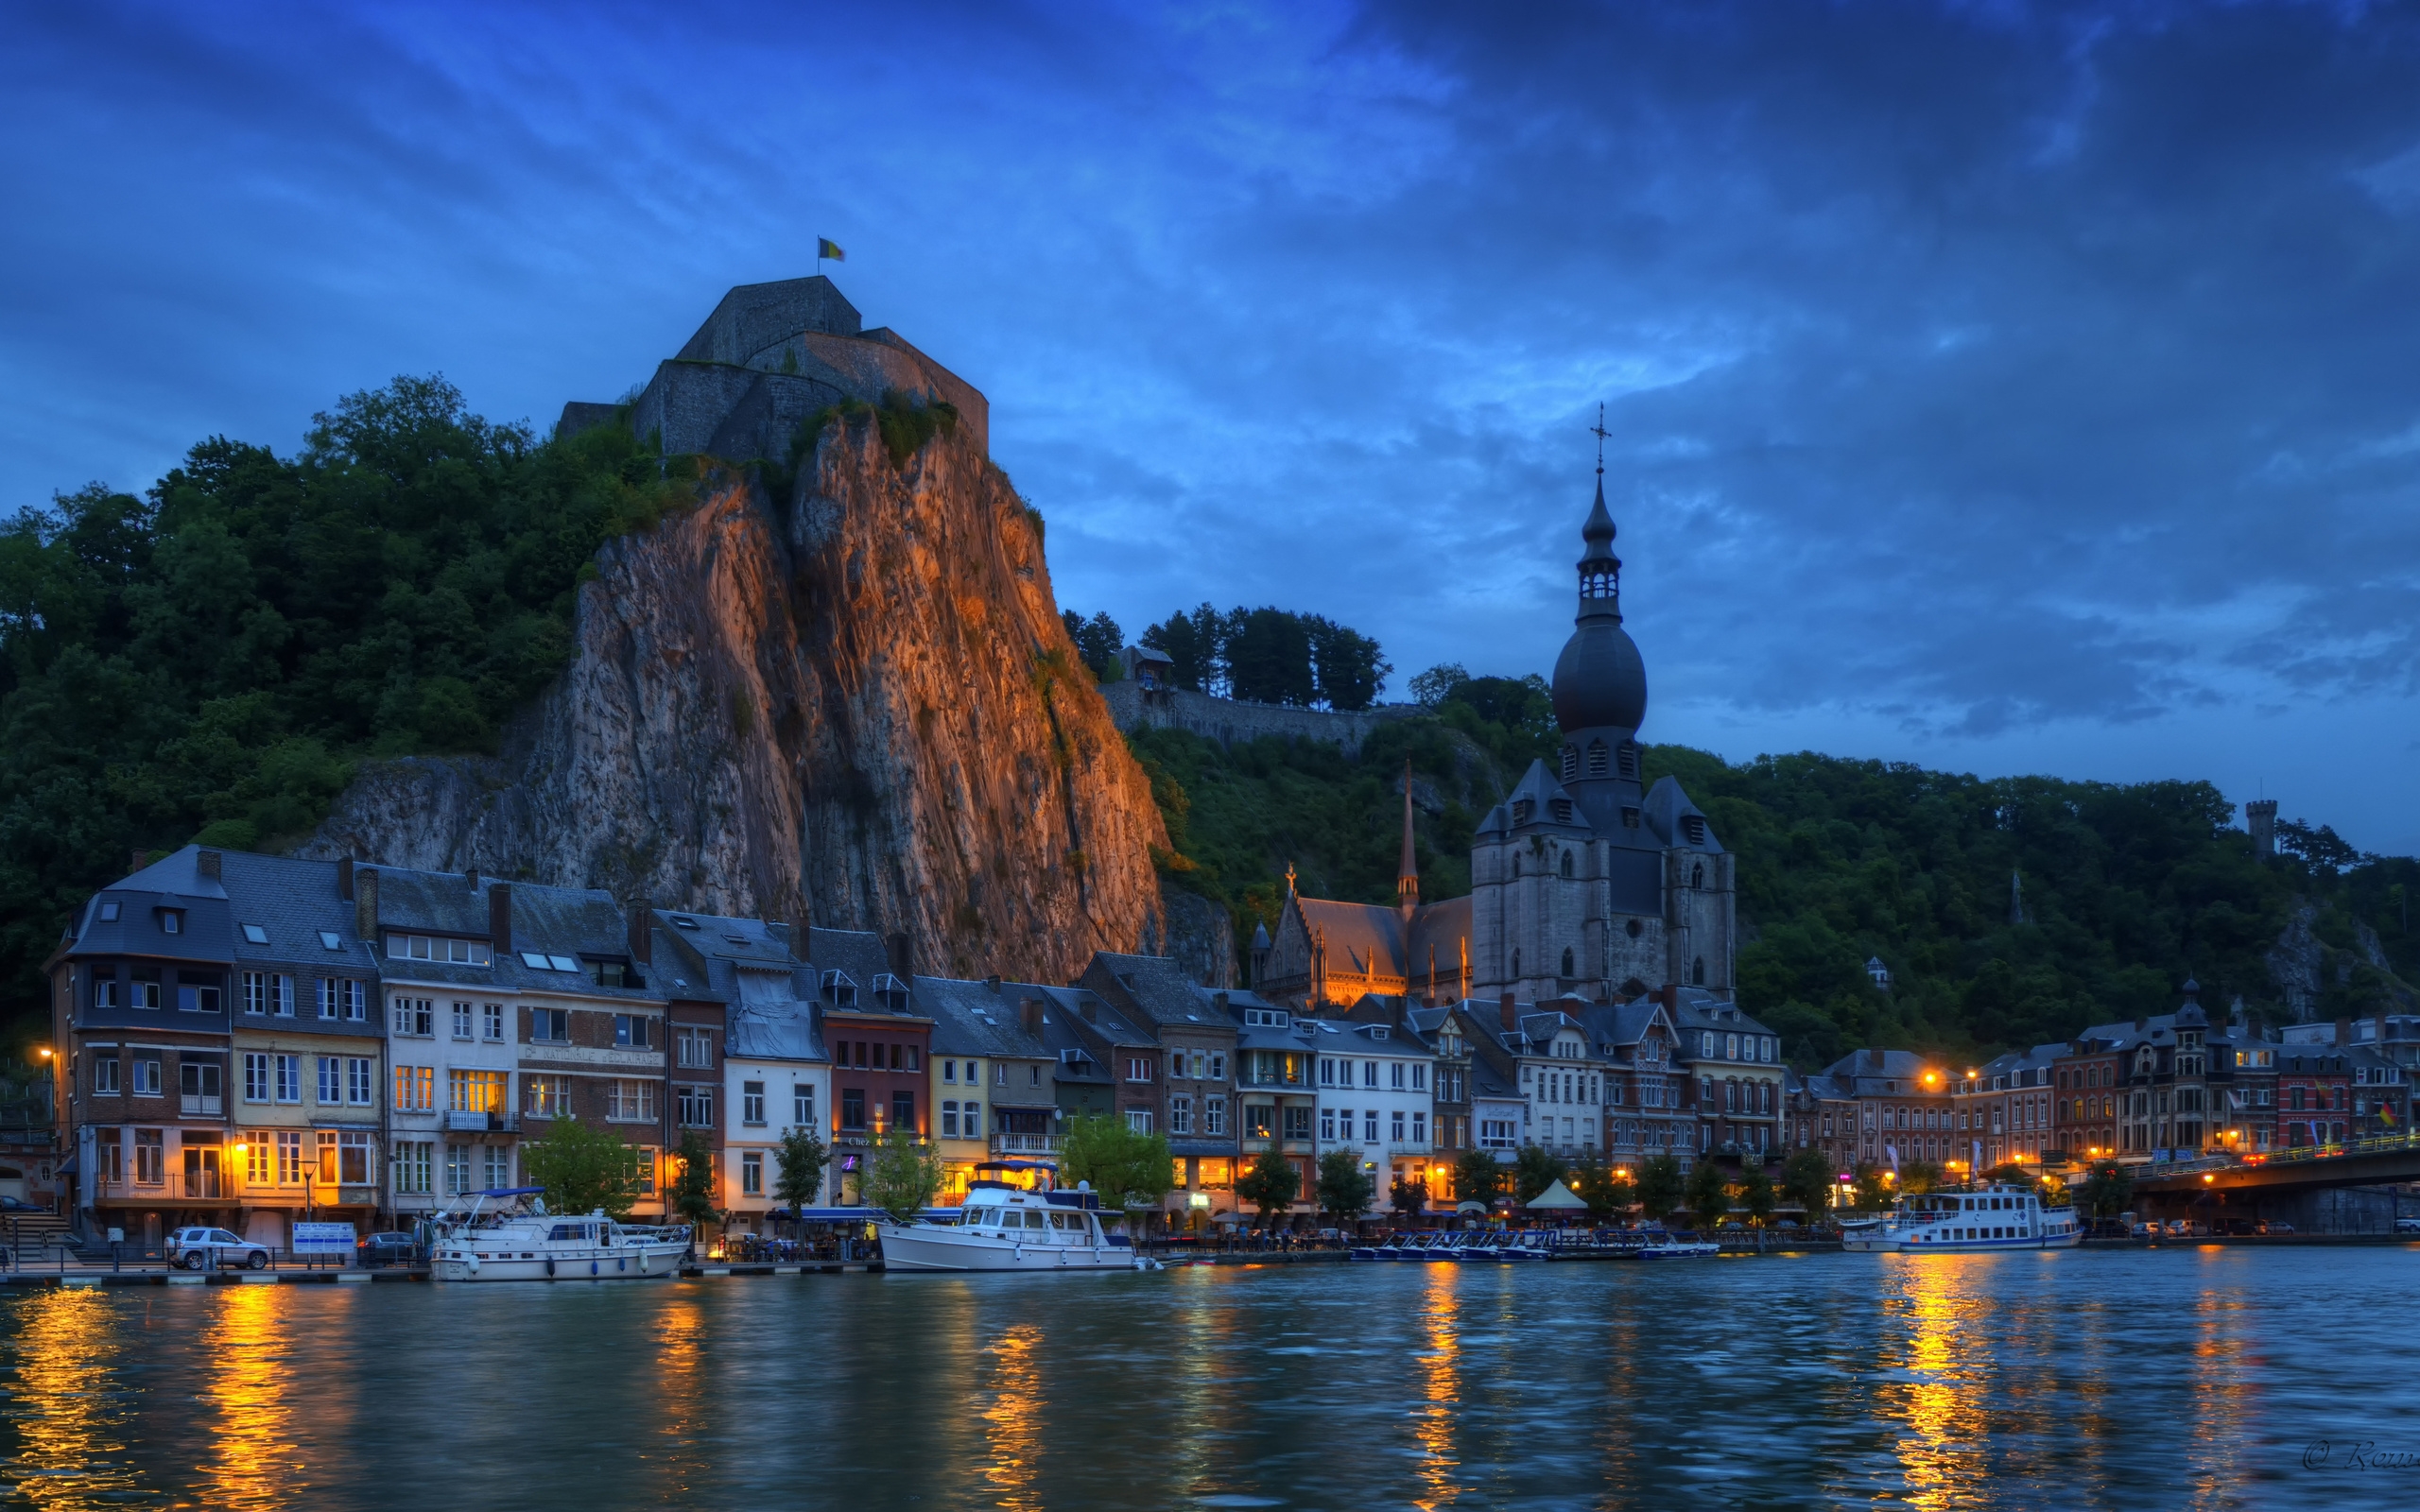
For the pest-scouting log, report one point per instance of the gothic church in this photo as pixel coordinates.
(1582, 883)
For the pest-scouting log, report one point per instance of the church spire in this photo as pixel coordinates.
(1600, 570)
(1407, 871)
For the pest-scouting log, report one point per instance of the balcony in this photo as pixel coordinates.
(201, 1105)
(468, 1121)
(1024, 1143)
(199, 1186)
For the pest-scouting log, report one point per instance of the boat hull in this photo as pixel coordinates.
(936, 1247)
(631, 1263)
(1890, 1244)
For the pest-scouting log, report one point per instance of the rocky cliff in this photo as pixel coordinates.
(854, 705)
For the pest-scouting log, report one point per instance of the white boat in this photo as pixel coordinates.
(1977, 1221)
(1007, 1227)
(517, 1239)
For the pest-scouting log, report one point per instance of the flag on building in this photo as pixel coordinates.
(829, 249)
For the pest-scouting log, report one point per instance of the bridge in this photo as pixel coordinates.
(2313, 1184)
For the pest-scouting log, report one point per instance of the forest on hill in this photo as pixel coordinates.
(2125, 890)
(205, 660)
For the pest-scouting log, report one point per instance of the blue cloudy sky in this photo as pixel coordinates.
(2002, 387)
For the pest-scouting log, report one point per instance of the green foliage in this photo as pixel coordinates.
(2107, 1191)
(904, 1177)
(907, 423)
(1920, 1177)
(797, 1169)
(1807, 1180)
(1709, 1195)
(212, 657)
(1659, 1187)
(583, 1167)
(1601, 1186)
(1098, 641)
(1407, 1197)
(1755, 1193)
(1478, 1177)
(1269, 1185)
(1534, 1169)
(1876, 1186)
(691, 1195)
(1270, 656)
(1345, 1190)
(1128, 1168)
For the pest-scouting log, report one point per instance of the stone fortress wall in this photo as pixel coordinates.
(1134, 706)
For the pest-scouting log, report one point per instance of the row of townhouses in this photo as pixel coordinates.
(250, 1040)
(2171, 1086)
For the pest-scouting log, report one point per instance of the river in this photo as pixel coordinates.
(2171, 1378)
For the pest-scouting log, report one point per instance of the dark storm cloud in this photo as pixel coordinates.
(1973, 371)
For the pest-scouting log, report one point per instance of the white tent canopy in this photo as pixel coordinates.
(1556, 1198)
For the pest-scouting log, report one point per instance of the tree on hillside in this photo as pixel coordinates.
(583, 1167)
(1660, 1187)
(1345, 1190)
(1098, 641)
(1269, 1185)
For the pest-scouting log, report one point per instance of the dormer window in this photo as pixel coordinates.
(1693, 825)
(1378, 1032)
(1522, 808)
(843, 991)
(1561, 808)
(172, 922)
(108, 913)
(433, 948)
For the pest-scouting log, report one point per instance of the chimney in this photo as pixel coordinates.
(1030, 1014)
(901, 967)
(138, 859)
(2378, 1030)
(1670, 993)
(2141, 1024)
(1092, 1014)
(500, 916)
(992, 983)
(1221, 999)
(365, 907)
(2343, 1031)
(472, 877)
(642, 927)
(1508, 1011)
(206, 862)
(344, 877)
(1874, 1058)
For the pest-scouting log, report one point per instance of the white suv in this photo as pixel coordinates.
(210, 1249)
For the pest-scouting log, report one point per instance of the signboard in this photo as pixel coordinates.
(322, 1239)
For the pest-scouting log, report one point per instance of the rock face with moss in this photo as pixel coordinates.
(854, 705)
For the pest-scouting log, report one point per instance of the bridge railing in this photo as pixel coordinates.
(2402, 1142)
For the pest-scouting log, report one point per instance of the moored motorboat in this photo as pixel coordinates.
(517, 1239)
(1006, 1228)
(1678, 1249)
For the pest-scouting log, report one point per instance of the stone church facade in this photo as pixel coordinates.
(1583, 882)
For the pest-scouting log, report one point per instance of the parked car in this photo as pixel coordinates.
(2179, 1227)
(2276, 1228)
(213, 1249)
(9, 1204)
(391, 1248)
(2406, 1226)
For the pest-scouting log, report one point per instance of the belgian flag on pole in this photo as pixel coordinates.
(828, 251)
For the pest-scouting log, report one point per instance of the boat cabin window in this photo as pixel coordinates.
(572, 1230)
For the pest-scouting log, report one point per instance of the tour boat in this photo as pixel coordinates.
(1007, 1227)
(1964, 1222)
(524, 1243)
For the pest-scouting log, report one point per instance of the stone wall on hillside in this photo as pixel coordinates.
(1227, 721)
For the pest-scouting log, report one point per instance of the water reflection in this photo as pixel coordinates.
(64, 1405)
(1440, 1391)
(247, 1390)
(1936, 1389)
(1014, 1439)
(679, 1361)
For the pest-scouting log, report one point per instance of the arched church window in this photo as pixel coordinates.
(1567, 960)
(1596, 758)
(1697, 972)
(1566, 872)
(1636, 928)
(1570, 762)
(1697, 875)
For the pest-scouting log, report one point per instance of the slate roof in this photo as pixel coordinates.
(978, 1018)
(1152, 987)
(1667, 806)
(576, 924)
(856, 954)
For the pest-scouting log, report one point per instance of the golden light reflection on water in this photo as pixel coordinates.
(2224, 1407)
(1016, 1440)
(69, 1426)
(1938, 1392)
(679, 1359)
(1440, 1391)
(252, 1459)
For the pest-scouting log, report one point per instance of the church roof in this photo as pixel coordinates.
(1443, 925)
(1669, 809)
(1550, 806)
(1360, 936)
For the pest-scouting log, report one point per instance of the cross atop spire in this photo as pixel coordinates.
(1599, 431)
